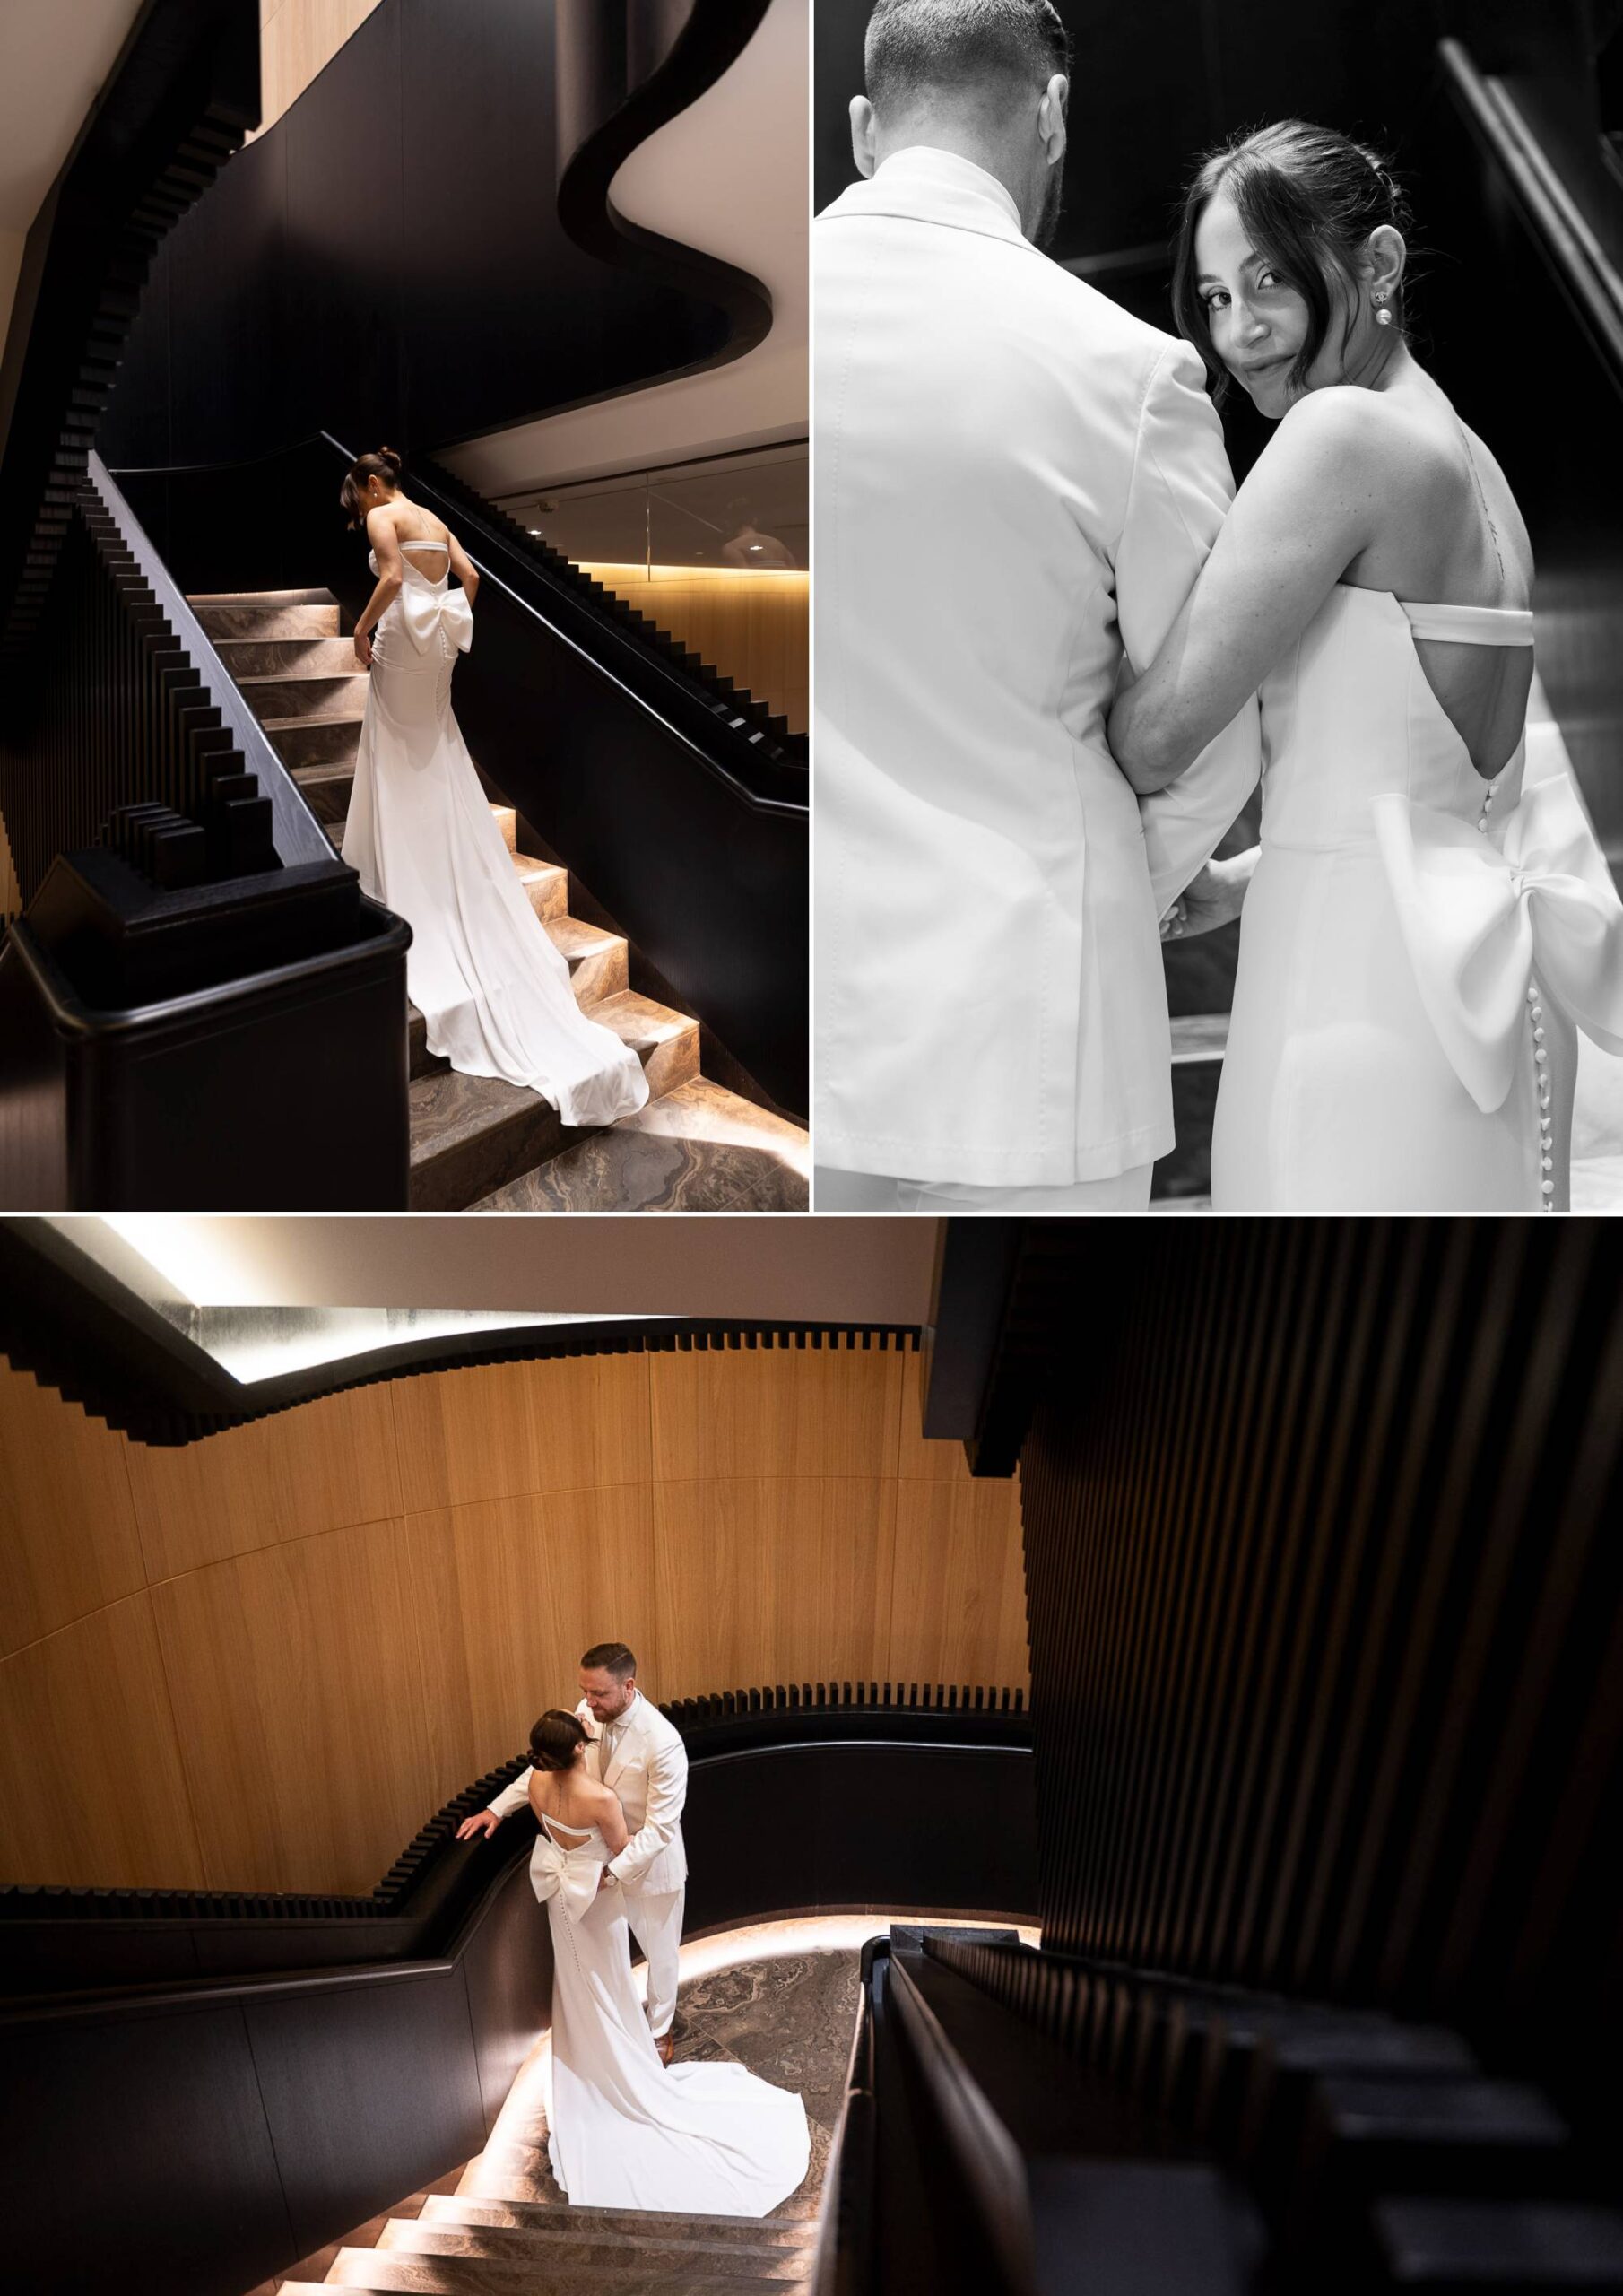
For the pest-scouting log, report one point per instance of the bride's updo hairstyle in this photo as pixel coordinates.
(555, 1739)
(1310, 198)
(383, 465)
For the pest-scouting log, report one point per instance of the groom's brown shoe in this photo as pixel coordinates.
(665, 2044)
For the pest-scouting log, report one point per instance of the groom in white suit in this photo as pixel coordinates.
(641, 1755)
(1017, 486)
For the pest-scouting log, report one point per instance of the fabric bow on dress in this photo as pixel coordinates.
(1479, 919)
(423, 610)
(564, 1874)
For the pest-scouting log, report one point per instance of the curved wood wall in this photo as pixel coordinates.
(260, 1662)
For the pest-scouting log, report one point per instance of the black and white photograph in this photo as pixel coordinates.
(1219, 583)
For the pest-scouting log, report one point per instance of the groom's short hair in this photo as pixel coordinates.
(610, 1658)
(917, 49)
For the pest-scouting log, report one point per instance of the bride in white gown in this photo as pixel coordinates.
(1422, 934)
(625, 2131)
(492, 989)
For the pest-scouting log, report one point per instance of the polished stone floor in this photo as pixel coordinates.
(698, 1148)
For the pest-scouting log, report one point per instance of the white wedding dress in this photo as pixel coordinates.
(623, 2130)
(1418, 946)
(494, 991)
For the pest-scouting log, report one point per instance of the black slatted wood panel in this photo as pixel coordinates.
(1323, 1563)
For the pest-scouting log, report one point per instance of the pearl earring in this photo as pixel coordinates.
(1383, 317)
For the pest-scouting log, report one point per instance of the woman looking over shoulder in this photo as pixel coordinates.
(1414, 957)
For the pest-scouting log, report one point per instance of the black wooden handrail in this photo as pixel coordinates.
(985, 2158)
(734, 751)
(300, 837)
(1586, 273)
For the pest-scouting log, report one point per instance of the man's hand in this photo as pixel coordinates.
(485, 1822)
(1211, 898)
(605, 1880)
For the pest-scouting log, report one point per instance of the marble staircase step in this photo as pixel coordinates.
(314, 741)
(327, 792)
(389, 2269)
(302, 695)
(665, 1042)
(472, 2213)
(596, 960)
(266, 613)
(698, 1148)
(552, 2246)
(471, 1133)
(268, 658)
(1198, 1036)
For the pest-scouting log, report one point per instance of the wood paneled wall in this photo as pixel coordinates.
(297, 39)
(1327, 1587)
(753, 628)
(262, 1661)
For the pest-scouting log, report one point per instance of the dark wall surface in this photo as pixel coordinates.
(387, 263)
(1326, 1603)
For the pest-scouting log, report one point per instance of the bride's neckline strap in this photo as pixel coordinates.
(1466, 625)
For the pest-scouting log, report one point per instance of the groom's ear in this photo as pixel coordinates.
(1050, 118)
(863, 134)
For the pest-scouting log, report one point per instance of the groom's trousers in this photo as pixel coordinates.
(656, 1925)
(838, 1191)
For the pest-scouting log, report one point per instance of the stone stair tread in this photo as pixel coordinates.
(1199, 1036)
(704, 1109)
(637, 1020)
(298, 725)
(549, 2217)
(386, 2269)
(591, 2246)
(271, 600)
(579, 939)
(252, 658)
(468, 1134)
(627, 1168)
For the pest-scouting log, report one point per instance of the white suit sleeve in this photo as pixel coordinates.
(667, 1792)
(513, 1797)
(1177, 500)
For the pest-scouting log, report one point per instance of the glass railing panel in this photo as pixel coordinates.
(713, 550)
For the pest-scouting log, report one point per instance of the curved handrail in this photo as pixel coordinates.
(690, 59)
(985, 2155)
(717, 1725)
(529, 565)
(1587, 275)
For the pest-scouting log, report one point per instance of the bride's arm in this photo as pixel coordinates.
(616, 1832)
(1298, 523)
(462, 566)
(391, 574)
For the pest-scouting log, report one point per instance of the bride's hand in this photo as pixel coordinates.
(363, 649)
(1208, 900)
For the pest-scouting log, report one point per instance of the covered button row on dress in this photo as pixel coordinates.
(1540, 1069)
(1488, 797)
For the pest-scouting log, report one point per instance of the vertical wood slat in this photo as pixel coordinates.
(1324, 1590)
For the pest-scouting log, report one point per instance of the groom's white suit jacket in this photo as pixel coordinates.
(649, 1772)
(1016, 482)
